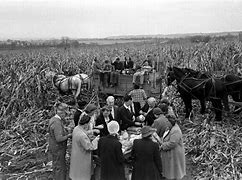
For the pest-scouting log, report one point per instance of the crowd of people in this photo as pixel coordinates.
(109, 71)
(158, 154)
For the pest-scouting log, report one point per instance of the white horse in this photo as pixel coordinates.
(71, 84)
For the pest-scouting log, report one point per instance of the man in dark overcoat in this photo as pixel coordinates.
(146, 157)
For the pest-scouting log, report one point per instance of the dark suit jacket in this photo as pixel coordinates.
(112, 159)
(128, 64)
(150, 117)
(115, 113)
(101, 121)
(137, 108)
(118, 65)
(76, 116)
(147, 160)
(125, 118)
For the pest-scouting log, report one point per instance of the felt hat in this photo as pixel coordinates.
(84, 119)
(90, 108)
(147, 131)
(157, 111)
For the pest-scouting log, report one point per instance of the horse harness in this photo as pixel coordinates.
(232, 83)
(60, 80)
(202, 84)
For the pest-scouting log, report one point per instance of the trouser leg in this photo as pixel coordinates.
(59, 164)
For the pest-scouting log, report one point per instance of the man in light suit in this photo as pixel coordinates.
(113, 108)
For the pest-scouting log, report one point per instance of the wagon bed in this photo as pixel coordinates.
(125, 85)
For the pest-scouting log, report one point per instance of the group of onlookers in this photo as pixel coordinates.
(99, 136)
(109, 71)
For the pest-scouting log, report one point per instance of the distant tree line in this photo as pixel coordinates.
(63, 43)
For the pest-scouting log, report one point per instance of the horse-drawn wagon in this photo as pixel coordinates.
(152, 85)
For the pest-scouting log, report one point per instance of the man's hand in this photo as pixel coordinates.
(137, 123)
(96, 131)
(69, 136)
(99, 126)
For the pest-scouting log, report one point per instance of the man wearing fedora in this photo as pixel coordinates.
(146, 157)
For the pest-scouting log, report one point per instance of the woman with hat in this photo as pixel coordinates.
(146, 156)
(172, 152)
(81, 159)
(110, 153)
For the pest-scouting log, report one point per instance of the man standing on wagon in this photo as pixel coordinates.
(118, 67)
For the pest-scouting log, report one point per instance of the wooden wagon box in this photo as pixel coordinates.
(125, 85)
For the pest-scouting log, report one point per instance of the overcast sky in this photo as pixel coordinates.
(102, 18)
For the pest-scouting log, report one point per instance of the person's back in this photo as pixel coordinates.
(138, 95)
(147, 162)
(161, 124)
(111, 156)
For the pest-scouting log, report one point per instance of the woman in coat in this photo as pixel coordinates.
(81, 160)
(111, 156)
(146, 156)
(172, 152)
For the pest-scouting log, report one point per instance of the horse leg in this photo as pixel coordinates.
(188, 106)
(225, 103)
(203, 106)
(217, 104)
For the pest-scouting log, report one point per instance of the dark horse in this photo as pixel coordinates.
(233, 85)
(202, 89)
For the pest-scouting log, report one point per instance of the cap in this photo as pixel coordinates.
(90, 108)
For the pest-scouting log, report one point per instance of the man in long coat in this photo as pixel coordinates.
(146, 156)
(58, 137)
(111, 156)
(172, 152)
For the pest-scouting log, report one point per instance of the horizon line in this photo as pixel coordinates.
(115, 36)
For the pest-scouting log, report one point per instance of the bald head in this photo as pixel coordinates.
(151, 102)
(110, 101)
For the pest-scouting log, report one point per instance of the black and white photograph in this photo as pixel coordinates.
(121, 90)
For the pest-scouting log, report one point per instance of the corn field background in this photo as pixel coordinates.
(27, 97)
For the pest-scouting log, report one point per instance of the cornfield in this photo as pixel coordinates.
(27, 97)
